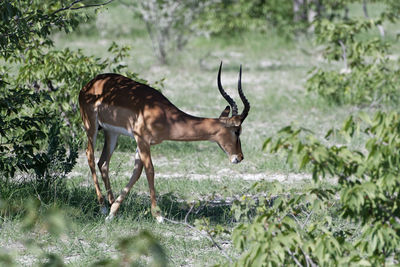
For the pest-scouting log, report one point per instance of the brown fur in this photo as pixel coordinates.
(120, 105)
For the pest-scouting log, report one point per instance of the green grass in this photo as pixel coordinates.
(274, 73)
(85, 238)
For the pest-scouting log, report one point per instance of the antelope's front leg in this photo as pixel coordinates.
(149, 169)
(137, 171)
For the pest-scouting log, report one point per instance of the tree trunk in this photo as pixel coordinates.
(299, 10)
(380, 27)
(313, 12)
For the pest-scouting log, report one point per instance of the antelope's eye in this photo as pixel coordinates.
(237, 132)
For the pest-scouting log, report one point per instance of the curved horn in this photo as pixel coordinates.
(225, 95)
(244, 99)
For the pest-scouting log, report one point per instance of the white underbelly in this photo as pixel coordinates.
(116, 129)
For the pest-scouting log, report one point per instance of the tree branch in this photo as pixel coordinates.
(294, 258)
(70, 7)
(187, 214)
(344, 54)
(208, 236)
(307, 219)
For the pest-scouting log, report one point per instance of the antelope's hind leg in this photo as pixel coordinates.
(91, 127)
(145, 156)
(110, 142)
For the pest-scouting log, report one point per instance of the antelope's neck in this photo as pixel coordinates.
(185, 127)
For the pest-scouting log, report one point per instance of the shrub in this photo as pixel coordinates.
(354, 222)
(367, 76)
(39, 86)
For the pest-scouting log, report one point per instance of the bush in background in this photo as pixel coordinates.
(169, 23)
(368, 74)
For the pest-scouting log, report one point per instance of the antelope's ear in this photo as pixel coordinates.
(225, 113)
(235, 121)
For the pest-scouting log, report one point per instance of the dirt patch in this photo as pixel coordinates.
(163, 162)
(289, 177)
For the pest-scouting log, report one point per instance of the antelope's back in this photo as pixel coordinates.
(114, 89)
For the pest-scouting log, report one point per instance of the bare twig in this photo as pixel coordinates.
(344, 54)
(92, 5)
(306, 256)
(308, 259)
(307, 219)
(187, 214)
(365, 10)
(70, 7)
(294, 258)
(294, 217)
(208, 236)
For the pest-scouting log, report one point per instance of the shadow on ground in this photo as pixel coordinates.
(80, 203)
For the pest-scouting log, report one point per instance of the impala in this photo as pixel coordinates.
(118, 105)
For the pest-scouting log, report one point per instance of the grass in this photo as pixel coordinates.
(274, 72)
(84, 238)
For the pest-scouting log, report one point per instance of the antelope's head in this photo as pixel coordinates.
(228, 138)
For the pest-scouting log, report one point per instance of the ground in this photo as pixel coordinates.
(274, 73)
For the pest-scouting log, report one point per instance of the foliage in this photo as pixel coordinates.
(288, 18)
(51, 222)
(290, 213)
(392, 10)
(281, 16)
(227, 17)
(63, 73)
(368, 178)
(137, 249)
(40, 86)
(295, 228)
(370, 84)
(6, 259)
(41, 129)
(24, 24)
(143, 244)
(27, 141)
(368, 74)
(231, 17)
(289, 230)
